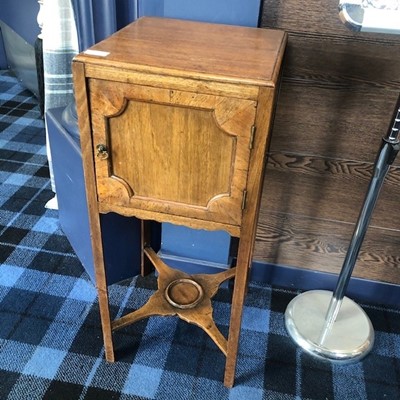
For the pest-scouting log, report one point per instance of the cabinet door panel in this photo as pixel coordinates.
(169, 151)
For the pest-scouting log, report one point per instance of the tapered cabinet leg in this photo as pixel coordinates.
(239, 293)
(101, 284)
(106, 324)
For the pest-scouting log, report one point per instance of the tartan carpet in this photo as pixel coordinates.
(50, 335)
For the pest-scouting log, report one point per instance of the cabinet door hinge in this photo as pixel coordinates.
(244, 198)
(252, 134)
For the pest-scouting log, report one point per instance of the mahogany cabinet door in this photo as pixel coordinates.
(169, 151)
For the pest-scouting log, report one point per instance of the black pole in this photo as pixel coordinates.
(387, 154)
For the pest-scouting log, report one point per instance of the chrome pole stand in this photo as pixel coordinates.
(329, 325)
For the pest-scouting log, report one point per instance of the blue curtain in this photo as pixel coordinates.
(98, 19)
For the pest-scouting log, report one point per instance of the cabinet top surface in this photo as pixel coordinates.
(193, 49)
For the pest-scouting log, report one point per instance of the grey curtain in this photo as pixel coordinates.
(71, 26)
(60, 45)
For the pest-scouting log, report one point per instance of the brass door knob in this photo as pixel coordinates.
(101, 151)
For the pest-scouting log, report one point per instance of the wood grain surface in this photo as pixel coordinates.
(196, 50)
(336, 101)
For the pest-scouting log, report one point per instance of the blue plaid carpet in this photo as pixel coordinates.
(50, 336)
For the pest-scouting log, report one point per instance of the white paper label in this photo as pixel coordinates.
(97, 53)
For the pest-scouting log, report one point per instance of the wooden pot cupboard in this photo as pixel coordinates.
(174, 118)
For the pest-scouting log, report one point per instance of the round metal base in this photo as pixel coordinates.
(350, 337)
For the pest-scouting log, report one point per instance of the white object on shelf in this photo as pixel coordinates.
(379, 16)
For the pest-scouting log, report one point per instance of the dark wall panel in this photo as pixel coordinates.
(338, 92)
